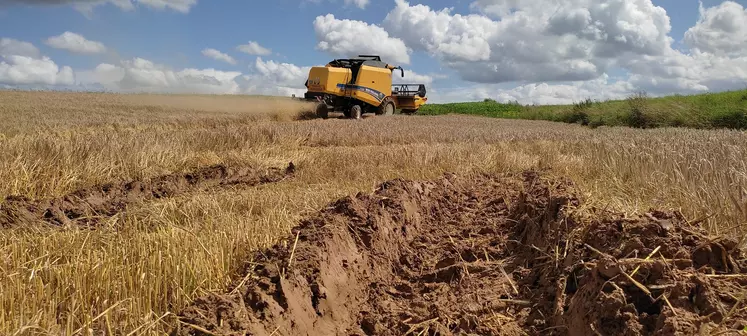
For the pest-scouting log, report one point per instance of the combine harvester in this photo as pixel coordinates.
(361, 85)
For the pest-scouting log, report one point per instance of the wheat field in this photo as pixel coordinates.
(134, 272)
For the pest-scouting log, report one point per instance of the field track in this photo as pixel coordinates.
(481, 254)
(90, 206)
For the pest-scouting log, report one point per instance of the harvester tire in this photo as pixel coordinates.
(322, 111)
(356, 112)
(387, 107)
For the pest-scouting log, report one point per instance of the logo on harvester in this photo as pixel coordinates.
(376, 94)
(314, 81)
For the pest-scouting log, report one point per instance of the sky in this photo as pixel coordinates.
(533, 52)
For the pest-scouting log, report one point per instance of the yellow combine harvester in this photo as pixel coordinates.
(361, 85)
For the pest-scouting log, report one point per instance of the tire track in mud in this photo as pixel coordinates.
(89, 206)
(489, 255)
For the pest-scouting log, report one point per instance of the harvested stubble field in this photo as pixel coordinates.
(148, 214)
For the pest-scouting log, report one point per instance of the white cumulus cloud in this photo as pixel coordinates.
(543, 93)
(721, 30)
(182, 6)
(693, 73)
(10, 47)
(22, 64)
(274, 78)
(358, 3)
(601, 88)
(411, 77)
(543, 45)
(75, 43)
(87, 6)
(141, 75)
(350, 38)
(24, 70)
(285, 74)
(254, 48)
(534, 41)
(543, 51)
(717, 60)
(217, 55)
(451, 37)
(361, 4)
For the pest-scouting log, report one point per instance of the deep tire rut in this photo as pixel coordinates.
(89, 206)
(481, 255)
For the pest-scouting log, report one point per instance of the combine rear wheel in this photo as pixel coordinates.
(386, 107)
(322, 111)
(356, 112)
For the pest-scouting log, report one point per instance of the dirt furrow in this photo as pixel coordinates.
(88, 206)
(481, 255)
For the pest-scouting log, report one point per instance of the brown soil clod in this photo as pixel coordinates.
(482, 255)
(88, 206)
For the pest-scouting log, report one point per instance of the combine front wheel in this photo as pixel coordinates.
(386, 107)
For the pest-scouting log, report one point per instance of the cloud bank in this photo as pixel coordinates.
(540, 52)
(87, 6)
(76, 43)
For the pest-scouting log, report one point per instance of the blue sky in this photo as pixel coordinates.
(175, 39)
(285, 26)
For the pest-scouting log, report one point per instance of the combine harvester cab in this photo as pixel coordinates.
(361, 85)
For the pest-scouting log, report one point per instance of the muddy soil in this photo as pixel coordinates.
(89, 206)
(482, 255)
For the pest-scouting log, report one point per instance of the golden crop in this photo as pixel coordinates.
(131, 274)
